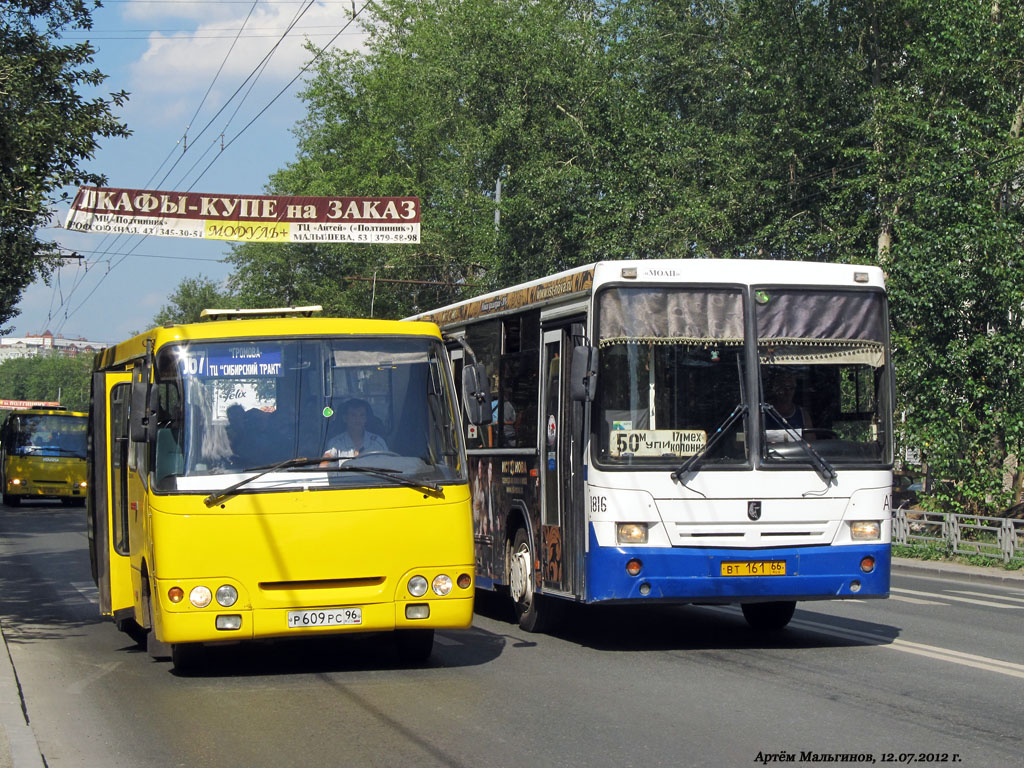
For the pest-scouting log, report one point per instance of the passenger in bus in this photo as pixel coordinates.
(244, 434)
(355, 440)
(781, 389)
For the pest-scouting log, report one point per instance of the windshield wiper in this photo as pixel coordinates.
(823, 467)
(298, 461)
(692, 464)
(389, 474)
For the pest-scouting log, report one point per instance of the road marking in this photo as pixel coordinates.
(969, 600)
(989, 594)
(87, 590)
(915, 600)
(919, 649)
(998, 666)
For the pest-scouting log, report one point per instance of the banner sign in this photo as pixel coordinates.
(18, 405)
(254, 218)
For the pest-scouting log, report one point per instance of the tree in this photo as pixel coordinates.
(50, 378)
(860, 131)
(190, 298)
(449, 98)
(47, 129)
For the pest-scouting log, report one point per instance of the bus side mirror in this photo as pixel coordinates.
(583, 375)
(475, 398)
(142, 416)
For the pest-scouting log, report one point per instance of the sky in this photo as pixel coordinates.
(193, 72)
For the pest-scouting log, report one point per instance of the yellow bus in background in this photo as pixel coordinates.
(279, 476)
(42, 455)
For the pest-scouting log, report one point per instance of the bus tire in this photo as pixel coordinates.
(769, 617)
(529, 605)
(414, 645)
(187, 657)
(131, 628)
(157, 650)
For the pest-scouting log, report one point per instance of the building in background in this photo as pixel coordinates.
(46, 344)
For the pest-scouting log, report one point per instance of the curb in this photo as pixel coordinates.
(21, 749)
(980, 573)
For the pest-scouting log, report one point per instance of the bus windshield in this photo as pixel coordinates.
(230, 407)
(671, 373)
(824, 374)
(47, 435)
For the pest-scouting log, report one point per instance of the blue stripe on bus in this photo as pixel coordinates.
(680, 574)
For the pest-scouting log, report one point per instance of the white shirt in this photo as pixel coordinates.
(342, 447)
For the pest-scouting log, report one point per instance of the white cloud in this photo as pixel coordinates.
(187, 61)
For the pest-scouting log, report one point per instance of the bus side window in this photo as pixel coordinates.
(485, 340)
(170, 460)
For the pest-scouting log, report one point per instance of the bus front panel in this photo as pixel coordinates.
(311, 562)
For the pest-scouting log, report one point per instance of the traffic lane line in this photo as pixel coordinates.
(943, 596)
(1008, 668)
(998, 666)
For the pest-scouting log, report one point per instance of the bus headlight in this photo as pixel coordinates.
(866, 530)
(417, 586)
(15, 481)
(200, 597)
(227, 595)
(441, 585)
(631, 533)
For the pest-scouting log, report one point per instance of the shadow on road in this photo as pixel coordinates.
(689, 627)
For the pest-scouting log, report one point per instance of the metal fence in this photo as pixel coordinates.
(1001, 538)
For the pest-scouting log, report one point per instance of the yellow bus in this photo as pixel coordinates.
(278, 476)
(42, 455)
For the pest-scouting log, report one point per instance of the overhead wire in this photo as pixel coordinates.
(305, 5)
(280, 93)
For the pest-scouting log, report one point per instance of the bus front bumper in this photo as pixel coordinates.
(692, 574)
(201, 625)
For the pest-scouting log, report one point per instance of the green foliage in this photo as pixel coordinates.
(860, 131)
(50, 378)
(190, 298)
(46, 130)
(941, 551)
(931, 550)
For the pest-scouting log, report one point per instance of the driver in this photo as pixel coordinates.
(355, 440)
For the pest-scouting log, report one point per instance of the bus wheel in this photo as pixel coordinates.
(414, 645)
(155, 648)
(529, 606)
(131, 628)
(187, 657)
(769, 617)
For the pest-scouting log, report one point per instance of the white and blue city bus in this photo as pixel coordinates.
(676, 431)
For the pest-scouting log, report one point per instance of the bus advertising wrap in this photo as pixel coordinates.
(257, 218)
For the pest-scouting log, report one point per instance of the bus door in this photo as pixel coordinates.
(108, 483)
(562, 521)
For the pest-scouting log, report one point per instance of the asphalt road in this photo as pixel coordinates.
(933, 675)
